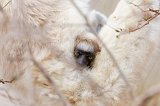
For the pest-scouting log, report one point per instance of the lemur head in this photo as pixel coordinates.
(85, 50)
(87, 46)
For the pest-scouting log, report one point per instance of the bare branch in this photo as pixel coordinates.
(147, 20)
(151, 15)
(136, 6)
(51, 82)
(4, 82)
(7, 4)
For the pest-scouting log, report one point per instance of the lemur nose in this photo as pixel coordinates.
(82, 60)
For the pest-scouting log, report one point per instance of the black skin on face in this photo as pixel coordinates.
(84, 58)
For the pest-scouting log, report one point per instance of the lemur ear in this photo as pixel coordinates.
(97, 20)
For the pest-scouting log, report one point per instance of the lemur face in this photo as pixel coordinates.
(87, 46)
(82, 42)
(85, 50)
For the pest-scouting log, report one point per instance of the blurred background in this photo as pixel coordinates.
(105, 6)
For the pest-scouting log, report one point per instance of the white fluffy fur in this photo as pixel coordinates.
(52, 25)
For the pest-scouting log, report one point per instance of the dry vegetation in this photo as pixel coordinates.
(105, 6)
(149, 94)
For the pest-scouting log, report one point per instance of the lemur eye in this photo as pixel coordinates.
(77, 53)
(90, 57)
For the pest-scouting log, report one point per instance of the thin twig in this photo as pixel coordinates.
(15, 78)
(52, 83)
(149, 19)
(146, 20)
(11, 99)
(6, 4)
(4, 82)
(135, 5)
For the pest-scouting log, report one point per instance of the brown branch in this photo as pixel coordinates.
(12, 80)
(147, 21)
(4, 82)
